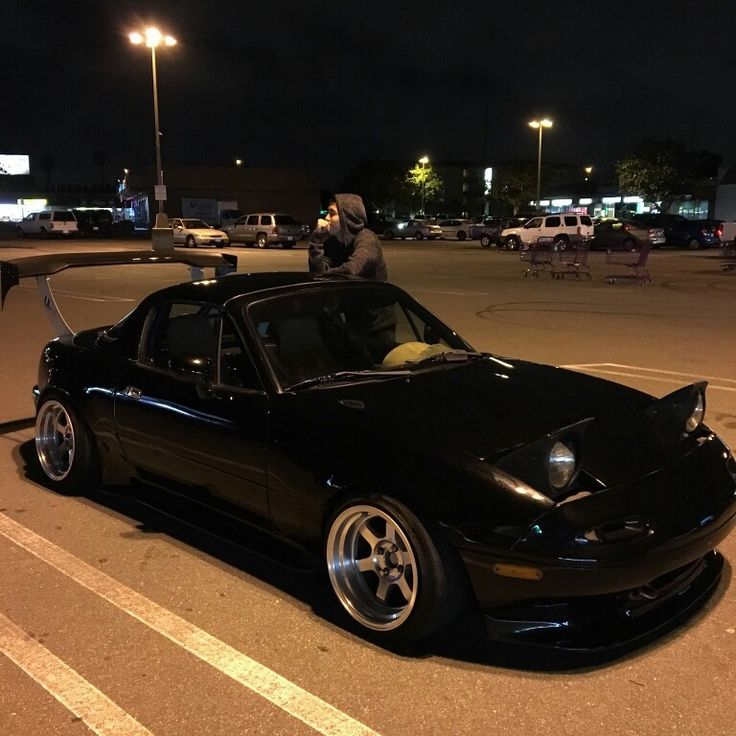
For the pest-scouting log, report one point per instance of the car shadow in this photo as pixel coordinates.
(303, 576)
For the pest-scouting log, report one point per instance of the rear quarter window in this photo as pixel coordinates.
(585, 220)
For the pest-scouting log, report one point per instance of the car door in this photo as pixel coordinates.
(179, 233)
(201, 433)
(238, 231)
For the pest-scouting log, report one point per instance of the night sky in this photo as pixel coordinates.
(324, 84)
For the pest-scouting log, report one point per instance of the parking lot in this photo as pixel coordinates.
(147, 619)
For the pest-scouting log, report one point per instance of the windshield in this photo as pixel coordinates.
(345, 329)
(193, 224)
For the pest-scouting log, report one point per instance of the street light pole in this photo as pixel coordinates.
(424, 160)
(153, 38)
(540, 125)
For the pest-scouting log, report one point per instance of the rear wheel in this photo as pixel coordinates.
(389, 573)
(560, 242)
(513, 243)
(65, 447)
(43, 233)
(485, 241)
(694, 244)
(461, 235)
(261, 240)
(418, 235)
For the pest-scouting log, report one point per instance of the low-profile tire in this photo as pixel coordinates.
(418, 235)
(461, 235)
(191, 242)
(261, 240)
(65, 447)
(485, 241)
(693, 244)
(393, 576)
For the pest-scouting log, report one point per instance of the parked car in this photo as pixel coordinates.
(345, 417)
(193, 233)
(456, 229)
(680, 232)
(265, 229)
(615, 234)
(94, 222)
(48, 223)
(561, 227)
(380, 224)
(489, 230)
(415, 228)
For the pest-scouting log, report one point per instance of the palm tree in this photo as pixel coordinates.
(100, 159)
(47, 162)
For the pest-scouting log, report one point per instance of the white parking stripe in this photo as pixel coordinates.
(294, 700)
(82, 698)
(594, 368)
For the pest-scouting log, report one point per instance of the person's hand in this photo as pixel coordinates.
(322, 226)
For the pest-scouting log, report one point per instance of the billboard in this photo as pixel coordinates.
(13, 164)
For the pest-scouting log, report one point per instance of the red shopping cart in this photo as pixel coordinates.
(573, 260)
(635, 261)
(539, 256)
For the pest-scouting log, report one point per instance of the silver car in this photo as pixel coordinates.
(193, 233)
(264, 229)
(416, 228)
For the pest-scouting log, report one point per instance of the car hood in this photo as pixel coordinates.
(201, 231)
(488, 407)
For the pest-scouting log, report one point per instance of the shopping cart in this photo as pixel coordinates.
(539, 255)
(728, 256)
(573, 260)
(635, 261)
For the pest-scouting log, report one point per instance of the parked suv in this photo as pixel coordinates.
(681, 232)
(561, 227)
(47, 223)
(264, 229)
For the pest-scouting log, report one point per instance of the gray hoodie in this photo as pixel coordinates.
(359, 253)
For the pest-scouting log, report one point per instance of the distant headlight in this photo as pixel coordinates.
(696, 417)
(560, 465)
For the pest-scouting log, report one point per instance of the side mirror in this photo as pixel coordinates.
(192, 368)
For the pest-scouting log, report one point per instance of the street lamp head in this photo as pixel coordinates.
(152, 37)
(544, 123)
(424, 160)
(588, 169)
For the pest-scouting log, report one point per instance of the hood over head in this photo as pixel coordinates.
(353, 219)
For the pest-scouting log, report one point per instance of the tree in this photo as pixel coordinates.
(515, 184)
(425, 184)
(381, 184)
(661, 169)
(100, 159)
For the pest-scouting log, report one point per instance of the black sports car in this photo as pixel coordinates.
(344, 416)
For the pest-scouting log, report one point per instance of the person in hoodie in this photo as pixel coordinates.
(342, 243)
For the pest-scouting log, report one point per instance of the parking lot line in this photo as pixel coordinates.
(98, 712)
(651, 374)
(292, 699)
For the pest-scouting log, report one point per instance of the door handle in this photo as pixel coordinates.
(132, 392)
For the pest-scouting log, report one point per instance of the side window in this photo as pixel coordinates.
(535, 222)
(552, 222)
(235, 364)
(571, 221)
(265, 220)
(585, 220)
(252, 219)
(177, 329)
(44, 216)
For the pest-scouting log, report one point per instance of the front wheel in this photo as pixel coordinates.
(261, 240)
(418, 235)
(388, 572)
(485, 241)
(513, 243)
(461, 235)
(191, 242)
(65, 447)
(694, 244)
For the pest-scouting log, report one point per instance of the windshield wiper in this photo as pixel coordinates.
(451, 356)
(346, 376)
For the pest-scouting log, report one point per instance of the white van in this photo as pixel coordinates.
(561, 227)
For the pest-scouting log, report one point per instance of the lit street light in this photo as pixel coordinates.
(540, 125)
(424, 160)
(588, 172)
(152, 37)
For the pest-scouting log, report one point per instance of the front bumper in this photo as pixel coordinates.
(608, 622)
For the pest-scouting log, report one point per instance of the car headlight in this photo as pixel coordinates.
(560, 465)
(698, 412)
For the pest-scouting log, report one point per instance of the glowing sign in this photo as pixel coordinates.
(14, 165)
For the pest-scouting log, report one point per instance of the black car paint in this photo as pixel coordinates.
(428, 439)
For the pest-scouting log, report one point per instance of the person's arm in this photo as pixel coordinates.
(318, 261)
(361, 262)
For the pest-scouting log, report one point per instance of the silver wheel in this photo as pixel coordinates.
(261, 240)
(55, 440)
(372, 567)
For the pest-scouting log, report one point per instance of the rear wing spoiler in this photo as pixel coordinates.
(42, 267)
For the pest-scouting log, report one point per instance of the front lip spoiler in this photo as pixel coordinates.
(608, 623)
